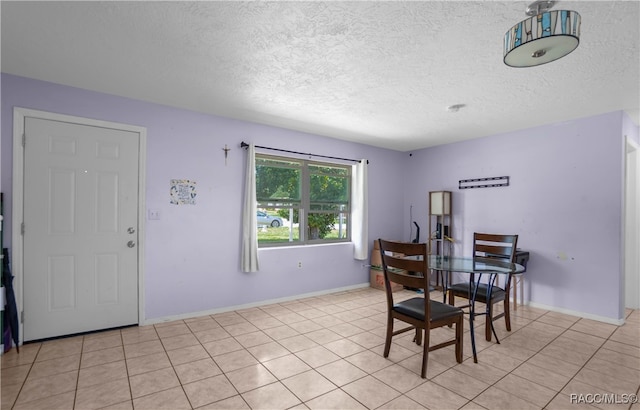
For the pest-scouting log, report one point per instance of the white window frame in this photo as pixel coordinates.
(305, 202)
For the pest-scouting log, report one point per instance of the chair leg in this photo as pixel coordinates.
(425, 354)
(418, 337)
(387, 342)
(459, 344)
(452, 301)
(507, 316)
(487, 323)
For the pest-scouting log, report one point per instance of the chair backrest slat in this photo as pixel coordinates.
(406, 264)
(495, 246)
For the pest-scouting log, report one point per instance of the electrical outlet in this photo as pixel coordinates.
(299, 264)
(153, 214)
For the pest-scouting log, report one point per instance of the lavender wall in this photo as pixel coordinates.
(192, 253)
(564, 201)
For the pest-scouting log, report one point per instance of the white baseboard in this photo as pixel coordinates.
(617, 322)
(251, 305)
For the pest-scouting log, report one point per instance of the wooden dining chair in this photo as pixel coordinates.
(501, 247)
(406, 264)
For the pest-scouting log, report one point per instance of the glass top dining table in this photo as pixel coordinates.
(473, 265)
(477, 268)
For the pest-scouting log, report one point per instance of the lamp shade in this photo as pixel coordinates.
(440, 203)
(542, 38)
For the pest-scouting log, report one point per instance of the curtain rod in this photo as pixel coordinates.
(245, 145)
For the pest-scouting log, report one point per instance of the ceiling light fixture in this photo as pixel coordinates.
(455, 107)
(544, 37)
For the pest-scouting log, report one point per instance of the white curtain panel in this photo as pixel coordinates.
(360, 211)
(249, 218)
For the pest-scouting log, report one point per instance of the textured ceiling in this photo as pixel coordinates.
(379, 73)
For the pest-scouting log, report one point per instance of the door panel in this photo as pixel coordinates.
(80, 197)
(62, 193)
(61, 276)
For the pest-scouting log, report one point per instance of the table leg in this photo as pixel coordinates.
(473, 334)
(492, 279)
(472, 314)
(515, 293)
(493, 329)
(472, 311)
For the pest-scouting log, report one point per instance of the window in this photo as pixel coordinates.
(310, 201)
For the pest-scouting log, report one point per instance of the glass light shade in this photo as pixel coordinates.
(440, 203)
(542, 38)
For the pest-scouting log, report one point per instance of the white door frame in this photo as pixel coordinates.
(631, 226)
(17, 216)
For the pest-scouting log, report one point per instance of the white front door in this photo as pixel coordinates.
(80, 240)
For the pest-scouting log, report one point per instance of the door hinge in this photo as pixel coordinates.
(24, 139)
(22, 228)
(22, 316)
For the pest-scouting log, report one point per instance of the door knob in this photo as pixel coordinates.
(131, 244)
(131, 230)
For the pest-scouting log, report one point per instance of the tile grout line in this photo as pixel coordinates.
(361, 303)
(126, 366)
(559, 392)
(75, 393)
(511, 371)
(15, 402)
